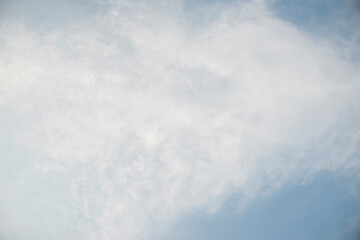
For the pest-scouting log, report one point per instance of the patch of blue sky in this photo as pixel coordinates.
(337, 21)
(323, 209)
(323, 18)
(42, 13)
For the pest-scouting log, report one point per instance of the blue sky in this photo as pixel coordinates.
(179, 119)
(321, 209)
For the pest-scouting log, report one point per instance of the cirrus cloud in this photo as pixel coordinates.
(145, 117)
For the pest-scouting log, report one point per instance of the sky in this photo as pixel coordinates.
(179, 119)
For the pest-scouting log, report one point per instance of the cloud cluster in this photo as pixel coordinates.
(148, 116)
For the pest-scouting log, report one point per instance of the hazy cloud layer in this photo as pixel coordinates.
(141, 114)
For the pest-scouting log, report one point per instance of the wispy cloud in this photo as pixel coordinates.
(149, 117)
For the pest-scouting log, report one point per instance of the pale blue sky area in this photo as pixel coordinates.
(314, 15)
(40, 13)
(323, 209)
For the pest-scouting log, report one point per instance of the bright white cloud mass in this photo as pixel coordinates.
(121, 117)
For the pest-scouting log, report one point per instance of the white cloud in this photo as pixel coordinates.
(148, 120)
